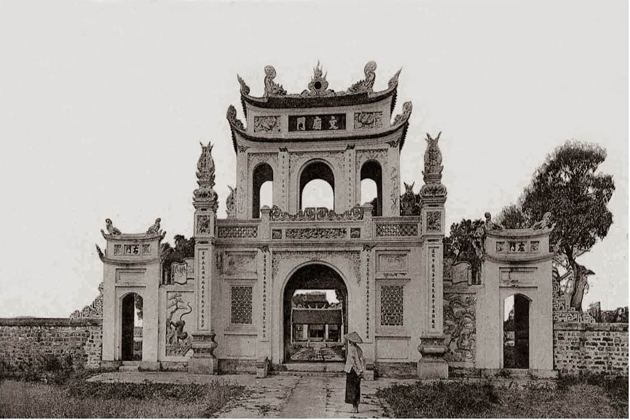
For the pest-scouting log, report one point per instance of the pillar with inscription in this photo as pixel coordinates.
(205, 201)
(433, 197)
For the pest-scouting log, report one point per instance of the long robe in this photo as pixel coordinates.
(355, 365)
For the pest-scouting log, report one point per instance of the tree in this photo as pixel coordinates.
(184, 248)
(512, 217)
(568, 187)
(461, 244)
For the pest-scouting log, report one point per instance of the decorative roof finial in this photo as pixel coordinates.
(545, 223)
(404, 117)
(393, 82)
(232, 118)
(432, 161)
(318, 85)
(205, 165)
(155, 227)
(110, 227)
(367, 84)
(244, 87)
(271, 87)
(205, 178)
(433, 169)
(489, 224)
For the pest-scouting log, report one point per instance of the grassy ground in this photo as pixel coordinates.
(592, 397)
(79, 399)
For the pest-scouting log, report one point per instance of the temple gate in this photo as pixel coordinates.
(231, 307)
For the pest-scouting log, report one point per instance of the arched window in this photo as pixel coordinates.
(371, 170)
(263, 174)
(516, 332)
(317, 186)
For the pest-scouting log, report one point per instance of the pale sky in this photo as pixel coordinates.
(103, 105)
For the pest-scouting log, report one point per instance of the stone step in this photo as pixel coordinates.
(128, 368)
(314, 374)
(313, 367)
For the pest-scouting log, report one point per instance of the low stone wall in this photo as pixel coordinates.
(26, 343)
(592, 347)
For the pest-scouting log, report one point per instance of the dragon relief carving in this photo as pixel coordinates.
(267, 124)
(460, 327)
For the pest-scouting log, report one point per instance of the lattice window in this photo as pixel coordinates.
(241, 309)
(392, 305)
(397, 230)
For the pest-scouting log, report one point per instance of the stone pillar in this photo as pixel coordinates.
(433, 197)
(206, 204)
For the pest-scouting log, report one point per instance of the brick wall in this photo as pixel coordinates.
(24, 342)
(593, 347)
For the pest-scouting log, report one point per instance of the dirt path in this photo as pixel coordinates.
(277, 396)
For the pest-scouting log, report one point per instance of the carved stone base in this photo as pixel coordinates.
(432, 364)
(203, 366)
(262, 367)
(204, 362)
(432, 368)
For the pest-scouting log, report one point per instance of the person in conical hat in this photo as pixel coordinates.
(355, 366)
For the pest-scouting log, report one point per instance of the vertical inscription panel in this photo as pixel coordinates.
(265, 299)
(433, 267)
(203, 289)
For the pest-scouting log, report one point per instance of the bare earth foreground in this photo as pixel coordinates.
(281, 396)
(244, 396)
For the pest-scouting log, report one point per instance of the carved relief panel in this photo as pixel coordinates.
(388, 263)
(179, 323)
(238, 263)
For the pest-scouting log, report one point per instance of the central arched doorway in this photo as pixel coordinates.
(315, 315)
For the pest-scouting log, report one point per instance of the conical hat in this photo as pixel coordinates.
(354, 337)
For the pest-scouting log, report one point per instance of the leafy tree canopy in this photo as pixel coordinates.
(184, 248)
(460, 244)
(569, 187)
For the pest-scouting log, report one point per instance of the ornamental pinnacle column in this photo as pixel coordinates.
(205, 201)
(433, 197)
